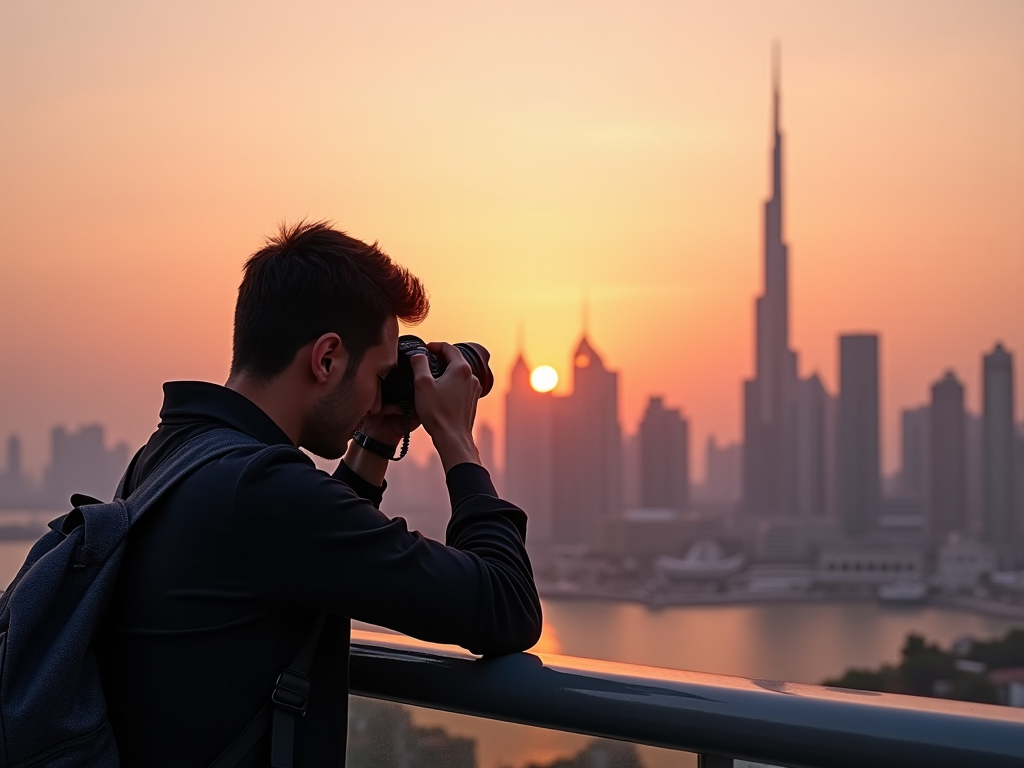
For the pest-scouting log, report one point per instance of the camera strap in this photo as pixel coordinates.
(407, 414)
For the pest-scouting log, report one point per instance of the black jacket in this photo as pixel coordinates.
(221, 582)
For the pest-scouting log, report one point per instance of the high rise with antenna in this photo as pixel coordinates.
(769, 473)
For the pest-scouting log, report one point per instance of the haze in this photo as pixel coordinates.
(517, 157)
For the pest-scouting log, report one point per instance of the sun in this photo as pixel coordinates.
(544, 378)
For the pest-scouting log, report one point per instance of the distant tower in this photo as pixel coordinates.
(12, 483)
(857, 455)
(14, 458)
(915, 439)
(812, 448)
(947, 511)
(528, 452)
(768, 432)
(1001, 526)
(664, 458)
(587, 453)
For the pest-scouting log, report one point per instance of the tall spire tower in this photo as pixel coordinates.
(769, 395)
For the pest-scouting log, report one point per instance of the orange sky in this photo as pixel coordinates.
(514, 156)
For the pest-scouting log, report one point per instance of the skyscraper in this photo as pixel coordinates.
(915, 424)
(12, 481)
(1001, 526)
(768, 399)
(528, 452)
(812, 449)
(664, 457)
(857, 453)
(947, 497)
(586, 453)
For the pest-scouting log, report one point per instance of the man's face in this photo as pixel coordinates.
(336, 416)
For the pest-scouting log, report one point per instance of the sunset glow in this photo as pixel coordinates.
(516, 158)
(544, 378)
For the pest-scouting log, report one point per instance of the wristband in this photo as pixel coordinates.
(383, 450)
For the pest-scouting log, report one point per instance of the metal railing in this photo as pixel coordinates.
(716, 716)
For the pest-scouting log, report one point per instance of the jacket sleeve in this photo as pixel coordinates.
(308, 539)
(362, 488)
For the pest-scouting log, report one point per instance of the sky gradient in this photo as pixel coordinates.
(517, 157)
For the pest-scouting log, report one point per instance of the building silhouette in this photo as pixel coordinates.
(915, 431)
(80, 462)
(723, 482)
(586, 446)
(769, 462)
(529, 465)
(664, 458)
(814, 455)
(1001, 526)
(947, 497)
(858, 473)
(14, 486)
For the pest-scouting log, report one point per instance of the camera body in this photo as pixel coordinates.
(397, 387)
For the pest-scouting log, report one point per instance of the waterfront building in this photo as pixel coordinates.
(961, 563)
(1002, 527)
(528, 452)
(947, 506)
(586, 454)
(664, 457)
(705, 560)
(858, 472)
(872, 565)
(769, 464)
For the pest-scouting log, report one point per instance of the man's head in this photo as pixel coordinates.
(316, 320)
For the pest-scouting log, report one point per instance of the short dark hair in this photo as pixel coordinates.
(310, 279)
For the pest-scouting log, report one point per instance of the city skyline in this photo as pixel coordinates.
(558, 166)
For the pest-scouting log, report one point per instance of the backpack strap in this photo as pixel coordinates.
(184, 460)
(288, 702)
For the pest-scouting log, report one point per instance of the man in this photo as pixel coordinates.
(223, 580)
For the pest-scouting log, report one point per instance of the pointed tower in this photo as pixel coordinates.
(528, 452)
(769, 436)
(587, 447)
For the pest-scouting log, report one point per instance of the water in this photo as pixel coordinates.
(796, 642)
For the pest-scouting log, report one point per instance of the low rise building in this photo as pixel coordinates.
(961, 563)
(870, 565)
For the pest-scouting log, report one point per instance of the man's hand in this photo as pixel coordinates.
(447, 405)
(389, 424)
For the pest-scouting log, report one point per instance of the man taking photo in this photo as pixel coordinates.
(222, 581)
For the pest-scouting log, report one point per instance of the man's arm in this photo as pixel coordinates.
(310, 540)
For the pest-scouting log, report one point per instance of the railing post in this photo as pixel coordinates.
(714, 761)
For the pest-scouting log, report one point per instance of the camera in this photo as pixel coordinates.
(397, 387)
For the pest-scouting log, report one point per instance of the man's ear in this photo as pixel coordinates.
(328, 358)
